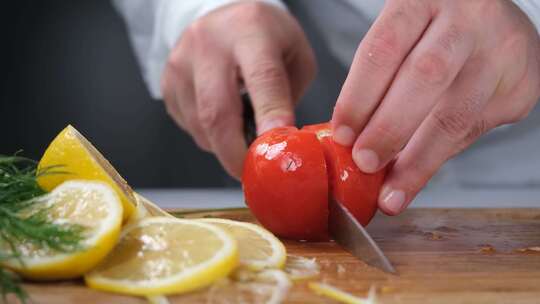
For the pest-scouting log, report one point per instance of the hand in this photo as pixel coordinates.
(428, 79)
(248, 43)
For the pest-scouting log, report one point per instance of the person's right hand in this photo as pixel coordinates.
(249, 44)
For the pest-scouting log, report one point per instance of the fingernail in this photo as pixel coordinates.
(393, 199)
(269, 125)
(367, 160)
(344, 135)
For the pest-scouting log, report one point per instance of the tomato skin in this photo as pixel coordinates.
(285, 183)
(357, 190)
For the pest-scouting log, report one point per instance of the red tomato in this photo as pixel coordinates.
(289, 174)
(357, 190)
(285, 183)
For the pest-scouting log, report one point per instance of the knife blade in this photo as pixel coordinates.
(350, 235)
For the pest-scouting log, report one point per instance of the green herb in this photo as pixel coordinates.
(23, 220)
(11, 284)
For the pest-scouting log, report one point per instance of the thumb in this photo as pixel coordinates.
(267, 82)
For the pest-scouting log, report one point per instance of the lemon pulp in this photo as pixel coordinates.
(258, 248)
(92, 205)
(162, 255)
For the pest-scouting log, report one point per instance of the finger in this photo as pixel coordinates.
(177, 89)
(301, 68)
(169, 96)
(378, 58)
(266, 80)
(427, 72)
(453, 124)
(220, 110)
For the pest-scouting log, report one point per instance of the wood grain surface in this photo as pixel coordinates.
(442, 256)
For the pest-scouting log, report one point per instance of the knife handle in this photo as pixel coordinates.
(250, 129)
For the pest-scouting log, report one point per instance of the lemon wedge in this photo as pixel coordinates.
(92, 205)
(82, 160)
(258, 248)
(341, 296)
(163, 255)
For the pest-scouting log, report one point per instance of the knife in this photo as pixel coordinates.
(349, 234)
(250, 130)
(342, 225)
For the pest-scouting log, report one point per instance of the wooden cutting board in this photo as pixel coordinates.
(442, 256)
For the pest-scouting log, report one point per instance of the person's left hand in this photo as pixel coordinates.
(428, 79)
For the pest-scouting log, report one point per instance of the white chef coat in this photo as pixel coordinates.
(506, 159)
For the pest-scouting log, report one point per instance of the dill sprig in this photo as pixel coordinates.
(11, 284)
(23, 220)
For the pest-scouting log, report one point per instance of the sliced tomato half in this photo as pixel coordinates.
(290, 174)
(285, 183)
(357, 190)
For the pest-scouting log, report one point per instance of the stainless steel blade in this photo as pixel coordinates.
(350, 234)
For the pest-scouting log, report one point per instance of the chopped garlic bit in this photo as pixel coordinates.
(341, 296)
(529, 249)
(265, 287)
(157, 299)
(301, 268)
(340, 269)
(434, 236)
(486, 248)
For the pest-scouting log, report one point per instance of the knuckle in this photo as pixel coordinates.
(252, 12)
(431, 69)
(266, 73)
(274, 109)
(452, 36)
(175, 61)
(209, 114)
(454, 123)
(383, 50)
(196, 29)
(390, 133)
(198, 36)
(478, 129)
(416, 5)
(408, 8)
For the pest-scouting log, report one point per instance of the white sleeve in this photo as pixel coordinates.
(532, 9)
(155, 26)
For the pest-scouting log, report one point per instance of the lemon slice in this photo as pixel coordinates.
(258, 248)
(92, 205)
(162, 255)
(301, 268)
(341, 296)
(77, 156)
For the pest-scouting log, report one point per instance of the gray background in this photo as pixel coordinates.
(71, 62)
